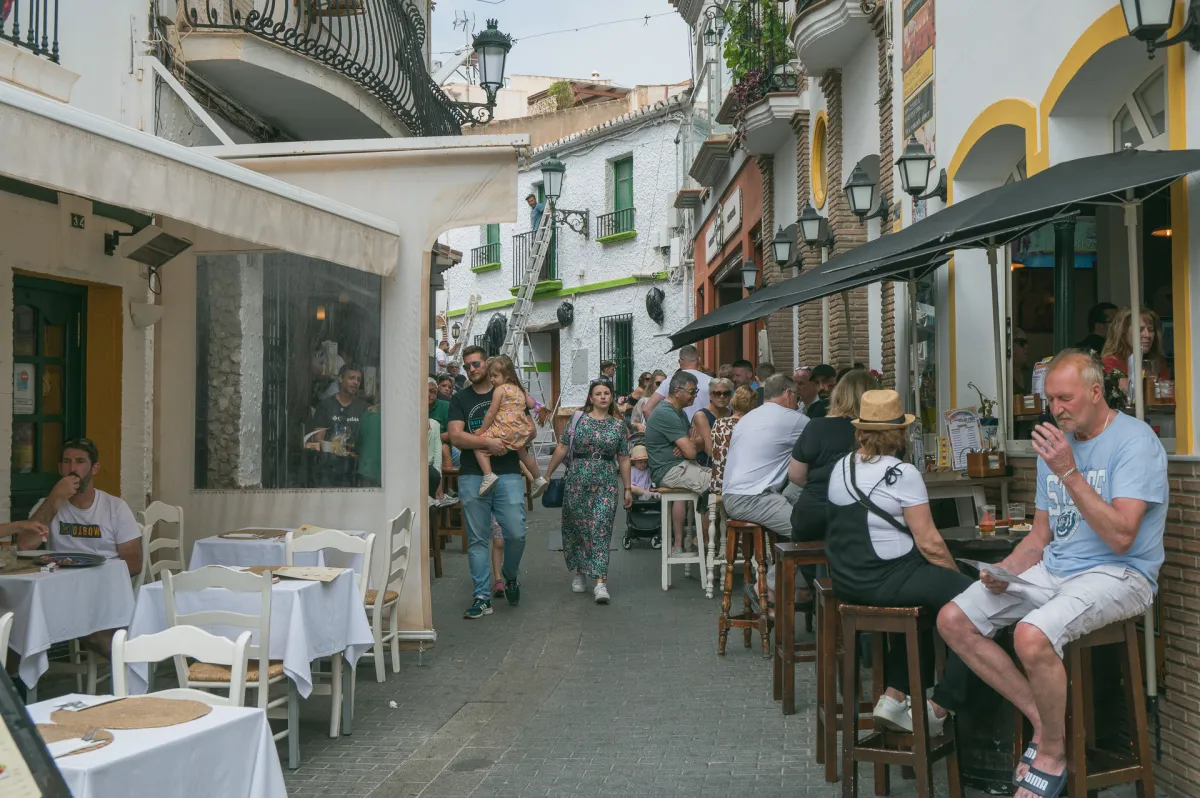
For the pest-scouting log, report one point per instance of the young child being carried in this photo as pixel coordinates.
(507, 421)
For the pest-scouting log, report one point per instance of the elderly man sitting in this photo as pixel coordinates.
(1091, 560)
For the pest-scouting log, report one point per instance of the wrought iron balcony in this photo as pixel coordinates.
(485, 255)
(378, 44)
(758, 52)
(521, 246)
(615, 223)
(32, 24)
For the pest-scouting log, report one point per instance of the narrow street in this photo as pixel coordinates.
(563, 697)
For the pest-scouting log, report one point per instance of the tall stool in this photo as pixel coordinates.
(447, 525)
(751, 539)
(789, 556)
(669, 496)
(716, 543)
(883, 746)
(1089, 770)
(829, 708)
(435, 548)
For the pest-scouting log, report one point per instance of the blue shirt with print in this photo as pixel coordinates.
(1126, 461)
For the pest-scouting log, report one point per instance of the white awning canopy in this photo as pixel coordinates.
(73, 151)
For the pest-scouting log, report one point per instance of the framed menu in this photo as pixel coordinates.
(965, 435)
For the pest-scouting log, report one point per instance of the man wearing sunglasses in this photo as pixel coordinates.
(505, 502)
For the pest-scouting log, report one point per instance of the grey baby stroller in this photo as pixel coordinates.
(643, 520)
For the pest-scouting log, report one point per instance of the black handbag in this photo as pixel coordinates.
(553, 497)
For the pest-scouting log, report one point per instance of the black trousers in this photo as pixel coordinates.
(435, 480)
(930, 587)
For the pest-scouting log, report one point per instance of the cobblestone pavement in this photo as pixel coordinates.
(562, 697)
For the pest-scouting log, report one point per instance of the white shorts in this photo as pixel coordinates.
(1063, 608)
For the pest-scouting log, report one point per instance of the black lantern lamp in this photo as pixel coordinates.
(749, 275)
(860, 193)
(810, 225)
(914, 165)
(782, 246)
(715, 28)
(455, 330)
(1147, 20)
(711, 37)
(491, 52)
(553, 171)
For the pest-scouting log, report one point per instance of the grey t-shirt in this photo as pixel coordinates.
(665, 426)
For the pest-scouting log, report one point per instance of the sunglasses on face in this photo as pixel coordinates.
(720, 393)
(690, 391)
(474, 364)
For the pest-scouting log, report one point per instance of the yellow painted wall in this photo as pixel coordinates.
(103, 402)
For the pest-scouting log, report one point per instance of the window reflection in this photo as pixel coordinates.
(287, 373)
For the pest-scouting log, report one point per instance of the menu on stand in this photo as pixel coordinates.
(965, 436)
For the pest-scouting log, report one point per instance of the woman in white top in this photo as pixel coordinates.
(884, 550)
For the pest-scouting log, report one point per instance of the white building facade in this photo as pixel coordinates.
(620, 179)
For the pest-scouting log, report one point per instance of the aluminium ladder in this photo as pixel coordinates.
(539, 249)
(465, 339)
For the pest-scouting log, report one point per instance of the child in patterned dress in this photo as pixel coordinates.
(507, 421)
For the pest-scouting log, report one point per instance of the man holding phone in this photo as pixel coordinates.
(1092, 559)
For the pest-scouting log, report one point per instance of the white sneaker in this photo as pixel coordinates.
(936, 725)
(600, 591)
(489, 482)
(539, 487)
(893, 714)
(577, 585)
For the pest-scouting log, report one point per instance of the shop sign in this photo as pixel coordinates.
(731, 215)
(713, 238)
(918, 109)
(918, 73)
(918, 30)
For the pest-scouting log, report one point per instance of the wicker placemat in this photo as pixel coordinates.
(259, 570)
(52, 733)
(142, 712)
(23, 569)
(258, 534)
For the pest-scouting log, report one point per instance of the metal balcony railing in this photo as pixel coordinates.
(488, 253)
(521, 264)
(610, 224)
(32, 24)
(758, 49)
(379, 44)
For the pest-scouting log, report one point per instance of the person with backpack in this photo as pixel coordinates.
(595, 448)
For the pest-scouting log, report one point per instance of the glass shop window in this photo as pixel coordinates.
(287, 374)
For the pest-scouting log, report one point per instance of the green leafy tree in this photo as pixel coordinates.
(562, 94)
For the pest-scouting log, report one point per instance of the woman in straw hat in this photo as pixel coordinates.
(885, 551)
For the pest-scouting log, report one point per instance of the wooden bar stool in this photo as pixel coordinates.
(829, 707)
(752, 542)
(669, 496)
(883, 746)
(451, 519)
(1089, 769)
(788, 557)
(435, 549)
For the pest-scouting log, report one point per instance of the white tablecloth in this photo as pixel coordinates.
(309, 620)
(52, 608)
(228, 753)
(217, 550)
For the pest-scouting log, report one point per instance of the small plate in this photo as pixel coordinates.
(1022, 527)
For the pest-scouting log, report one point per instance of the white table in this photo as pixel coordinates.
(56, 607)
(228, 752)
(217, 550)
(309, 620)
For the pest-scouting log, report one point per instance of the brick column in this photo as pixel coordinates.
(809, 330)
(848, 233)
(779, 323)
(886, 185)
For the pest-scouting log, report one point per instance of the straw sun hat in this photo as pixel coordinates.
(639, 452)
(882, 410)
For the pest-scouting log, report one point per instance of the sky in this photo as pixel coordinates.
(628, 53)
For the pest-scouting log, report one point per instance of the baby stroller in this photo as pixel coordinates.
(643, 520)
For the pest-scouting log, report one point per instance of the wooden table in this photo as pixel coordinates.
(968, 541)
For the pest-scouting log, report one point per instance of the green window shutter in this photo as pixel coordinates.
(541, 192)
(493, 234)
(623, 184)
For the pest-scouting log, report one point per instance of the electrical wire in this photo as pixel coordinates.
(644, 19)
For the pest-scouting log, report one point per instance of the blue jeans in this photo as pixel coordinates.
(455, 457)
(506, 502)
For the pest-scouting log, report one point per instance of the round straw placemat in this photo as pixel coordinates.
(52, 733)
(143, 712)
(23, 569)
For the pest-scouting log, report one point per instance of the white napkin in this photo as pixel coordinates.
(64, 747)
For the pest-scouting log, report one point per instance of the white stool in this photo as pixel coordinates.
(670, 495)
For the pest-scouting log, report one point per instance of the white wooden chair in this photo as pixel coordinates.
(347, 544)
(261, 672)
(383, 600)
(172, 557)
(184, 641)
(6, 624)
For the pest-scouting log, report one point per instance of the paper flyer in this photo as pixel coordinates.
(962, 425)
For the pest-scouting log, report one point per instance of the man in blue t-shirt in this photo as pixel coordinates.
(1091, 560)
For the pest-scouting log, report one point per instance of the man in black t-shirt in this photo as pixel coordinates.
(506, 502)
(336, 419)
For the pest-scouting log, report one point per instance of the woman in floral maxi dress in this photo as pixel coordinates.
(596, 476)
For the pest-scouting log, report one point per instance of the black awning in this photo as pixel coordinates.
(990, 218)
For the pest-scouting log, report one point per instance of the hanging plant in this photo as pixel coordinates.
(757, 36)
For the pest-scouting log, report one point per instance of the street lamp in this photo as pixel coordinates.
(860, 192)
(491, 52)
(782, 247)
(1149, 19)
(749, 275)
(810, 225)
(455, 330)
(553, 171)
(914, 165)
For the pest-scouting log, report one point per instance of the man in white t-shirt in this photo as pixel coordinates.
(87, 520)
(689, 360)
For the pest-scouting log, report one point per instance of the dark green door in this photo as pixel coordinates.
(48, 383)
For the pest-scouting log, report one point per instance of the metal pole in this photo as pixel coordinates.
(1064, 274)
(999, 347)
(914, 344)
(1139, 410)
(846, 322)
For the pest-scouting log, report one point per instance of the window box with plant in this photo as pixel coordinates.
(758, 54)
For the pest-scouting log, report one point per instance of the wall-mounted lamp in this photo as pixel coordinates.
(1146, 20)
(320, 313)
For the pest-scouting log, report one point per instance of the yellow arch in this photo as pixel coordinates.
(819, 160)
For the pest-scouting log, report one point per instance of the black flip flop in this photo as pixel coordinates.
(1027, 759)
(1043, 784)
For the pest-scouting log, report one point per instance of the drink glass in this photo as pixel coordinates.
(1016, 512)
(987, 520)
